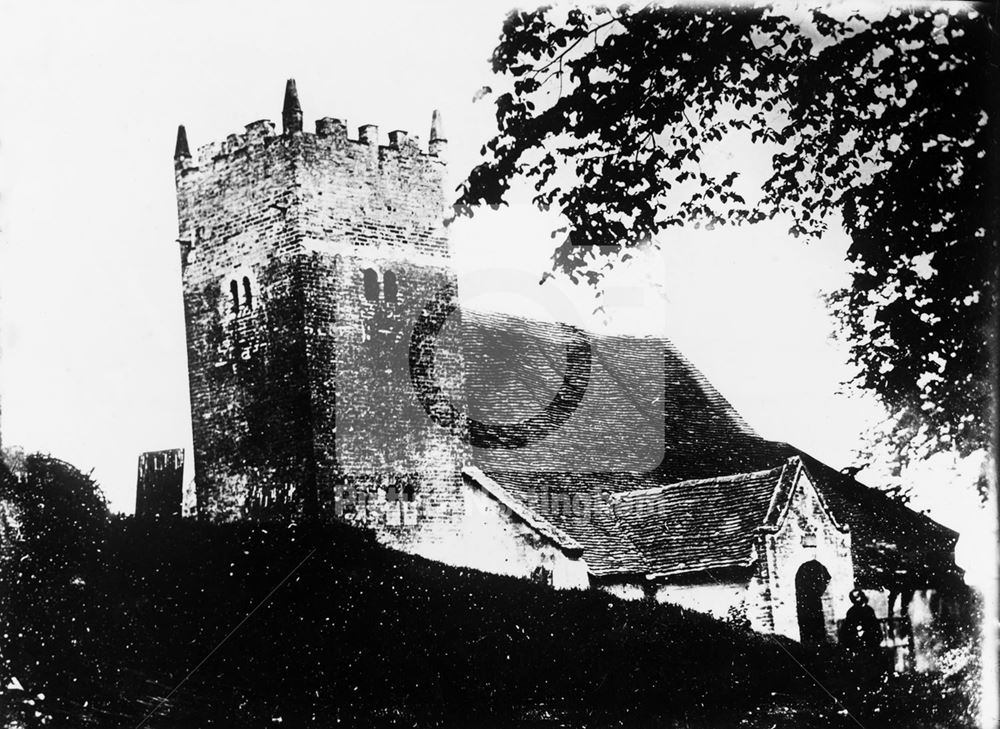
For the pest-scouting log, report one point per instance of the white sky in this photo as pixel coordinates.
(91, 93)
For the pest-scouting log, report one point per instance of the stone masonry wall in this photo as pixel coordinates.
(249, 393)
(160, 484)
(716, 598)
(302, 401)
(807, 533)
(625, 589)
(496, 540)
(377, 256)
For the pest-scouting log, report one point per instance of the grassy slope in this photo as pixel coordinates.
(364, 636)
(100, 620)
(359, 632)
(360, 635)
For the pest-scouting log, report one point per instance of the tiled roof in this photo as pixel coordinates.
(697, 525)
(515, 366)
(578, 505)
(570, 476)
(886, 536)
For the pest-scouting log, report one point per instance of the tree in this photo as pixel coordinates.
(615, 118)
(53, 522)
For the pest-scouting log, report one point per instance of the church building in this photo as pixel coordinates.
(333, 376)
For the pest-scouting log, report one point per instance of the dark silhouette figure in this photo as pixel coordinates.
(861, 631)
(810, 584)
(861, 635)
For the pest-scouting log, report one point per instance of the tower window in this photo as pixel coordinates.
(371, 284)
(247, 294)
(391, 287)
(234, 290)
(409, 493)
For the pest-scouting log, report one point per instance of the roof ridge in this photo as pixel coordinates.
(493, 316)
(793, 468)
(781, 497)
(858, 493)
(727, 479)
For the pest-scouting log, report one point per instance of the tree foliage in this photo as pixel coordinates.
(53, 523)
(875, 122)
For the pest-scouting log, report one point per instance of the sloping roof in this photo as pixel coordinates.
(515, 366)
(886, 536)
(781, 499)
(704, 524)
(577, 504)
(695, 525)
(522, 511)
(569, 476)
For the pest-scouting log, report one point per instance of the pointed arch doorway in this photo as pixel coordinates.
(811, 581)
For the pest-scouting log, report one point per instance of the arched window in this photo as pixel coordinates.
(391, 287)
(371, 284)
(234, 290)
(247, 294)
(409, 493)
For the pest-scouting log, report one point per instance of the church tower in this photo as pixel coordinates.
(307, 258)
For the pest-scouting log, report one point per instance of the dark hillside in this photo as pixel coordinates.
(114, 622)
(365, 635)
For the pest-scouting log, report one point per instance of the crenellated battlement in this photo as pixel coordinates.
(306, 254)
(329, 132)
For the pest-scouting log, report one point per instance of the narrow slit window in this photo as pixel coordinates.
(391, 287)
(247, 294)
(371, 284)
(234, 289)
